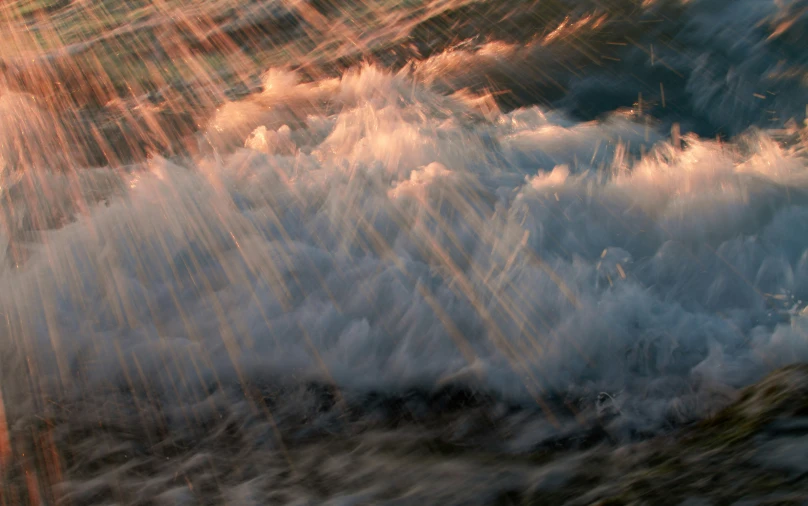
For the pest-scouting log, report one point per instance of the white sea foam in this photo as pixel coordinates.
(372, 232)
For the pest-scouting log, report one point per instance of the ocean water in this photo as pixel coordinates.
(596, 203)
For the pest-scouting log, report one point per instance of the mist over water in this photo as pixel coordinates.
(384, 228)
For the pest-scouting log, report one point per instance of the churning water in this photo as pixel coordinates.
(551, 204)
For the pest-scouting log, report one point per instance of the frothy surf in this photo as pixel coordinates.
(397, 231)
(408, 239)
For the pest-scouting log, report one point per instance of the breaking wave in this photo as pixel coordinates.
(515, 227)
(372, 233)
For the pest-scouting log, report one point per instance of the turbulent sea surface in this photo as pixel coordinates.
(399, 252)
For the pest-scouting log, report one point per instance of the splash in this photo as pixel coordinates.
(401, 237)
(399, 226)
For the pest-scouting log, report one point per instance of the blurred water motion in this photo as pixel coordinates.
(284, 251)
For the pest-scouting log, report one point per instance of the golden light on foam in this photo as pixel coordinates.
(358, 227)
